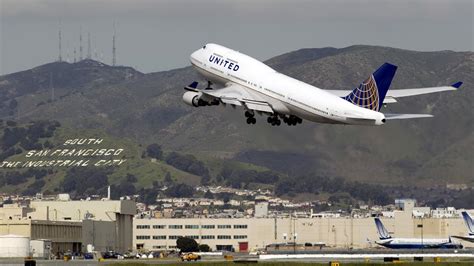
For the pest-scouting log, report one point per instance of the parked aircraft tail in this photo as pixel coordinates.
(383, 233)
(469, 222)
(371, 93)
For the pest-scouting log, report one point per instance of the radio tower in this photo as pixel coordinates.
(60, 57)
(113, 48)
(80, 44)
(74, 54)
(89, 55)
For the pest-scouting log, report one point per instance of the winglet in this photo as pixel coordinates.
(193, 85)
(457, 85)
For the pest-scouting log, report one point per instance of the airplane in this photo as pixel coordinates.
(470, 227)
(241, 80)
(412, 243)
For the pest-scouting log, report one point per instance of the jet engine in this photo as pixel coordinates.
(191, 98)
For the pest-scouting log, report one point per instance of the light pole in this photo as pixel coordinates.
(294, 234)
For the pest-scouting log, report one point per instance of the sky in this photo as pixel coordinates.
(161, 34)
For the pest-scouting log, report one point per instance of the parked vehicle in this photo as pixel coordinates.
(190, 257)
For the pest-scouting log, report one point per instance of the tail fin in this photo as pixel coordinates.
(383, 233)
(469, 222)
(371, 93)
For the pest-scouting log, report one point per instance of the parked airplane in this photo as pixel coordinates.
(411, 243)
(244, 81)
(470, 227)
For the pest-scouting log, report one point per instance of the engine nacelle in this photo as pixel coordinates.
(191, 98)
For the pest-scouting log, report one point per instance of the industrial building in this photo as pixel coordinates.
(72, 225)
(247, 234)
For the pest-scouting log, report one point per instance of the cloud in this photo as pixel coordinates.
(257, 10)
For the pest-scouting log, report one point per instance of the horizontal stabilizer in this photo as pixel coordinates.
(406, 116)
(419, 91)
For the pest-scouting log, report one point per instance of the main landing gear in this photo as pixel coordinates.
(250, 117)
(291, 120)
(274, 120)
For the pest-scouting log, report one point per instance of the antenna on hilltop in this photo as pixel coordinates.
(60, 57)
(89, 45)
(80, 43)
(51, 85)
(114, 58)
(74, 54)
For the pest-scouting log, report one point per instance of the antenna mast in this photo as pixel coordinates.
(60, 57)
(89, 45)
(114, 59)
(80, 44)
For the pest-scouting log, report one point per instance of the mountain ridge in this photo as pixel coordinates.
(148, 108)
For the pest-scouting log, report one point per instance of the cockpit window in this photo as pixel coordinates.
(204, 47)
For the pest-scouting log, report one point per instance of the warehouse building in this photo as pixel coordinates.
(72, 225)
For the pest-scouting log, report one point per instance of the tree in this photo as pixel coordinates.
(186, 244)
(204, 248)
(208, 195)
(180, 191)
(131, 178)
(205, 180)
(168, 180)
(154, 151)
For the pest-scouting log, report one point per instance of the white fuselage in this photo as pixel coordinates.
(286, 95)
(406, 243)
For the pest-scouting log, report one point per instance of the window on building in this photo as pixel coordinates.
(240, 226)
(159, 247)
(159, 226)
(224, 237)
(176, 226)
(224, 226)
(159, 237)
(143, 226)
(173, 237)
(191, 226)
(143, 237)
(240, 237)
(193, 237)
(208, 226)
(208, 237)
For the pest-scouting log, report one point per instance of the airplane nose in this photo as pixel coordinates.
(193, 56)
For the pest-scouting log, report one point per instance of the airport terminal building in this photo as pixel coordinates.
(248, 234)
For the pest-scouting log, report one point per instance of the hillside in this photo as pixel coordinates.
(147, 108)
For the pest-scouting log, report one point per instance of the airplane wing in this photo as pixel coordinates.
(405, 116)
(236, 95)
(393, 95)
(465, 238)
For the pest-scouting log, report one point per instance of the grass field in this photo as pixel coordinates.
(290, 263)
